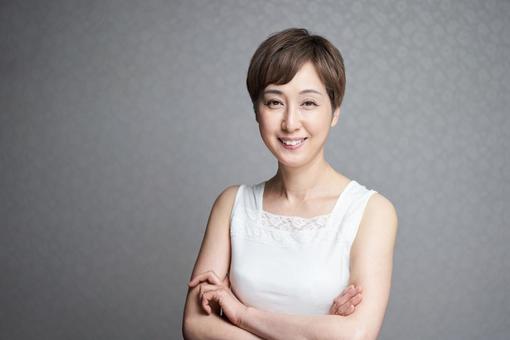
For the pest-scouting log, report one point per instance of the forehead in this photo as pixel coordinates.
(305, 78)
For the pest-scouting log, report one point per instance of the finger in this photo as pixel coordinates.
(356, 299)
(346, 295)
(343, 310)
(207, 298)
(354, 286)
(207, 286)
(332, 308)
(207, 276)
(338, 311)
(346, 310)
(208, 301)
(205, 305)
(348, 288)
(336, 308)
(212, 276)
(344, 298)
(351, 290)
(204, 288)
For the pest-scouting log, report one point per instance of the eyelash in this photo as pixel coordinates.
(268, 103)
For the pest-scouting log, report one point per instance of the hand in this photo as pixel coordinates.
(219, 293)
(345, 303)
(211, 277)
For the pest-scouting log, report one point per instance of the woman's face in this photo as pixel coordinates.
(299, 110)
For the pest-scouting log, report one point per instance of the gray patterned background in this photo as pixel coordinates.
(121, 121)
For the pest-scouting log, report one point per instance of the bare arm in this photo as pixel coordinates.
(214, 255)
(203, 326)
(273, 325)
(371, 267)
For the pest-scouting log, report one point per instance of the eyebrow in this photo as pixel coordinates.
(304, 91)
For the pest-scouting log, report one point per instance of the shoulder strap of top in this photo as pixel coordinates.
(245, 203)
(358, 199)
(348, 212)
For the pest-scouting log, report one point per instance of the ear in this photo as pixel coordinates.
(336, 116)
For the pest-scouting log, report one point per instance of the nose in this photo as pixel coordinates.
(291, 121)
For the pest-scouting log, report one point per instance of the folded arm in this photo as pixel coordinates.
(214, 255)
(370, 267)
(272, 325)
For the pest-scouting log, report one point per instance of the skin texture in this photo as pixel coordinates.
(306, 115)
(303, 184)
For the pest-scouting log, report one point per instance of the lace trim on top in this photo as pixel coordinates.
(293, 223)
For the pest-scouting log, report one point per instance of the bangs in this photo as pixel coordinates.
(283, 66)
(280, 57)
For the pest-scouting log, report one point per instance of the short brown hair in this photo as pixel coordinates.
(281, 55)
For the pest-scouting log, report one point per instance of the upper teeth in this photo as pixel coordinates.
(292, 142)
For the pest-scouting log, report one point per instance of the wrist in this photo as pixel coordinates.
(243, 316)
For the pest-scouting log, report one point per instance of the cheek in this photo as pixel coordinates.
(264, 128)
(317, 128)
(266, 132)
(267, 125)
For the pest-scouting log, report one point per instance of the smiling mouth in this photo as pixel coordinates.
(292, 144)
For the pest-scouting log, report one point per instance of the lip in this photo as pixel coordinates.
(293, 147)
(293, 139)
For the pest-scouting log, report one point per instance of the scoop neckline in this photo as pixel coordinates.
(328, 215)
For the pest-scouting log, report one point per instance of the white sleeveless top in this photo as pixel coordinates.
(292, 264)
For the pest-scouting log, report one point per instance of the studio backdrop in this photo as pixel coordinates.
(122, 121)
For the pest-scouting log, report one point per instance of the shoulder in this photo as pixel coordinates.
(229, 193)
(380, 220)
(226, 198)
(381, 207)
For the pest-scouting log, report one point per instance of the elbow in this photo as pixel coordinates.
(185, 329)
(188, 332)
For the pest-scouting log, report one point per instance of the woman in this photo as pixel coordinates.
(291, 244)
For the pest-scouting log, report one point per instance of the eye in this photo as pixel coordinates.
(309, 103)
(272, 102)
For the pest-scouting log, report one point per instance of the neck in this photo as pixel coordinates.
(303, 183)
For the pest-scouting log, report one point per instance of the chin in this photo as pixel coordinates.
(291, 164)
(291, 161)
